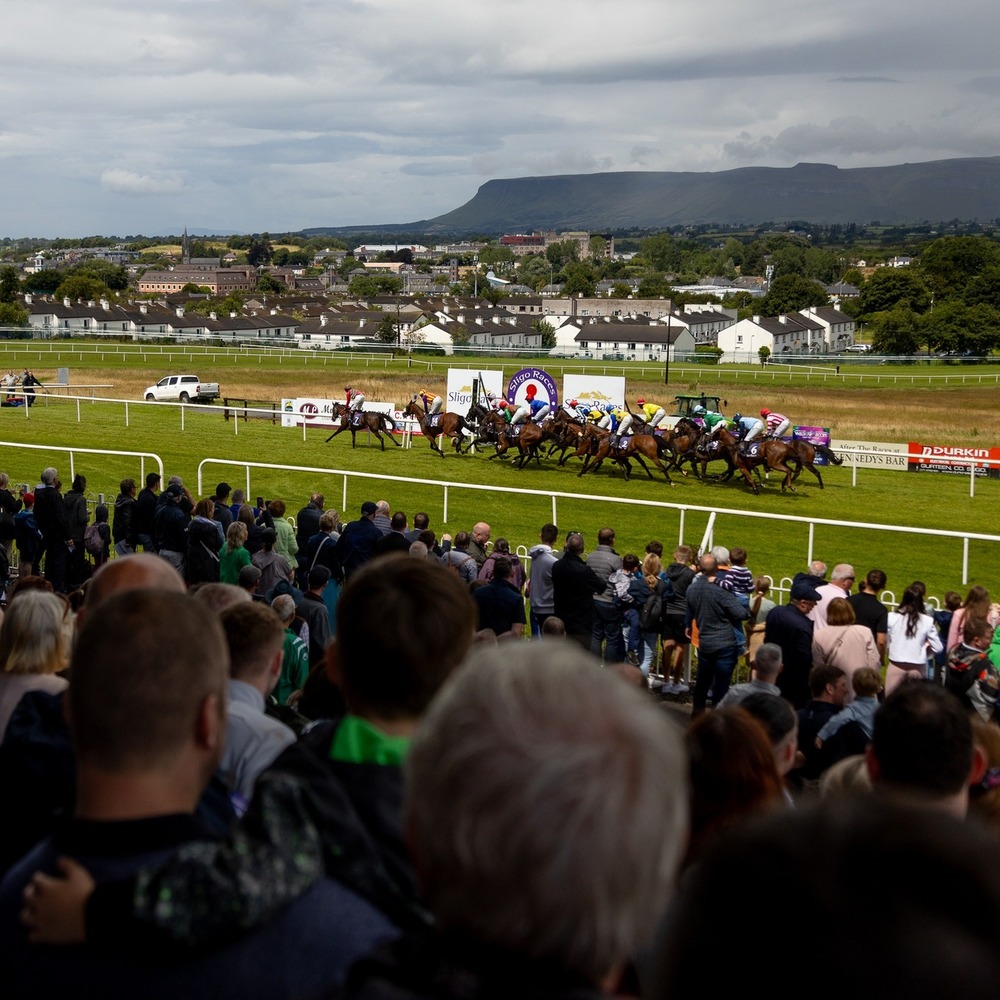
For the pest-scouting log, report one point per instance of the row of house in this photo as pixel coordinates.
(640, 329)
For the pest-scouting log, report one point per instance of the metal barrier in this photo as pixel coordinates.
(811, 523)
(74, 451)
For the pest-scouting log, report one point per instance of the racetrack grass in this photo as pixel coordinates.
(777, 548)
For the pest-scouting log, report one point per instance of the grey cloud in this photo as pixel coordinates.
(121, 181)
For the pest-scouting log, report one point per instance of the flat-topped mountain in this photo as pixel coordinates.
(966, 189)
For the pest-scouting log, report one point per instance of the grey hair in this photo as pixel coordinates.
(418, 549)
(767, 660)
(4, 480)
(842, 571)
(721, 554)
(49, 475)
(562, 801)
(817, 568)
(284, 607)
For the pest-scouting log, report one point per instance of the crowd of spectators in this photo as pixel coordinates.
(255, 757)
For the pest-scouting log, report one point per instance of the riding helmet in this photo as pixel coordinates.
(765, 412)
(640, 402)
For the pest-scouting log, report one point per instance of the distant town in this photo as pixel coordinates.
(758, 296)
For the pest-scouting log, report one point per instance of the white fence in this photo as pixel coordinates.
(810, 523)
(73, 451)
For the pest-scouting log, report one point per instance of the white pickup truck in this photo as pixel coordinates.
(185, 388)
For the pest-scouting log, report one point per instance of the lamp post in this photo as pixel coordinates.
(666, 363)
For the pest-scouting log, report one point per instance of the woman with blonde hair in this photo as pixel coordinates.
(233, 556)
(842, 643)
(33, 648)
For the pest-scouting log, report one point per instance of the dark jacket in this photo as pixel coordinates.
(427, 964)
(790, 629)
(357, 544)
(307, 524)
(123, 526)
(145, 511)
(574, 584)
(310, 815)
(203, 544)
(321, 550)
(170, 527)
(76, 511)
(716, 611)
(51, 515)
(680, 577)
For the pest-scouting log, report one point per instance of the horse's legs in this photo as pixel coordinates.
(812, 468)
(786, 483)
(745, 469)
(334, 434)
(642, 464)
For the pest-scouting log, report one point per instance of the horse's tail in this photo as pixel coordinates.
(387, 419)
(821, 449)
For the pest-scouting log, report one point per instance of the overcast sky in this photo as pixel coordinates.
(127, 117)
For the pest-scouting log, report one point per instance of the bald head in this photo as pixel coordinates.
(138, 572)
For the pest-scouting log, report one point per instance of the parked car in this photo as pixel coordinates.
(183, 388)
(858, 349)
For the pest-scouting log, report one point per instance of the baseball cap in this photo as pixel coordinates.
(368, 508)
(803, 591)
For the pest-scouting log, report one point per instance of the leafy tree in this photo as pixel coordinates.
(373, 283)
(13, 314)
(895, 331)
(620, 290)
(598, 247)
(579, 279)
(547, 331)
(9, 285)
(951, 262)
(764, 353)
(113, 276)
(260, 251)
(654, 286)
(492, 293)
(387, 332)
(192, 289)
(43, 281)
(892, 286)
(497, 257)
(984, 288)
(280, 257)
(562, 253)
(460, 335)
(852, 276)
(81, 286)
(954, 326)
(269, 283)
(790, 292)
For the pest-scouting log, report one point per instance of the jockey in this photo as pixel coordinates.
(570, 406)
(748, 428)
(355, 399)
(528, 407)
(777, 423)
(506, 411)
(714, 422)
(539, 410)
(432, 402)
(653, 413)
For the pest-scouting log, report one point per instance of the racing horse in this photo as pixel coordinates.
(526, 437)
(435, 425)
(725, 446)
(378, 424)
(806, 455)
(630, 446)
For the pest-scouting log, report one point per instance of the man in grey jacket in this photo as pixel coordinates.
(540, 589)
(716, 611)
(607, 628)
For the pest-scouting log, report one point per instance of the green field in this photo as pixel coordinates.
(778, 548)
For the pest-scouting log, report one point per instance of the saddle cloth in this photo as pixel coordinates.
(357, 418)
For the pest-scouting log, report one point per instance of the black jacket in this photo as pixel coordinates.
(123, 526)
(51, 515)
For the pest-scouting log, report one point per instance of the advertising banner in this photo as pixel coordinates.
(814, 435)
(459, 397)
(532, 383)
(864, 454)
(318, 412)
(595, 390)
(953, 459)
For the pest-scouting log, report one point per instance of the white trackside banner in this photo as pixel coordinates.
(594, 390)
(459, 397)
(317, 412)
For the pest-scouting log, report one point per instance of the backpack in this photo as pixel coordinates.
(651, 612)
(92, 540)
